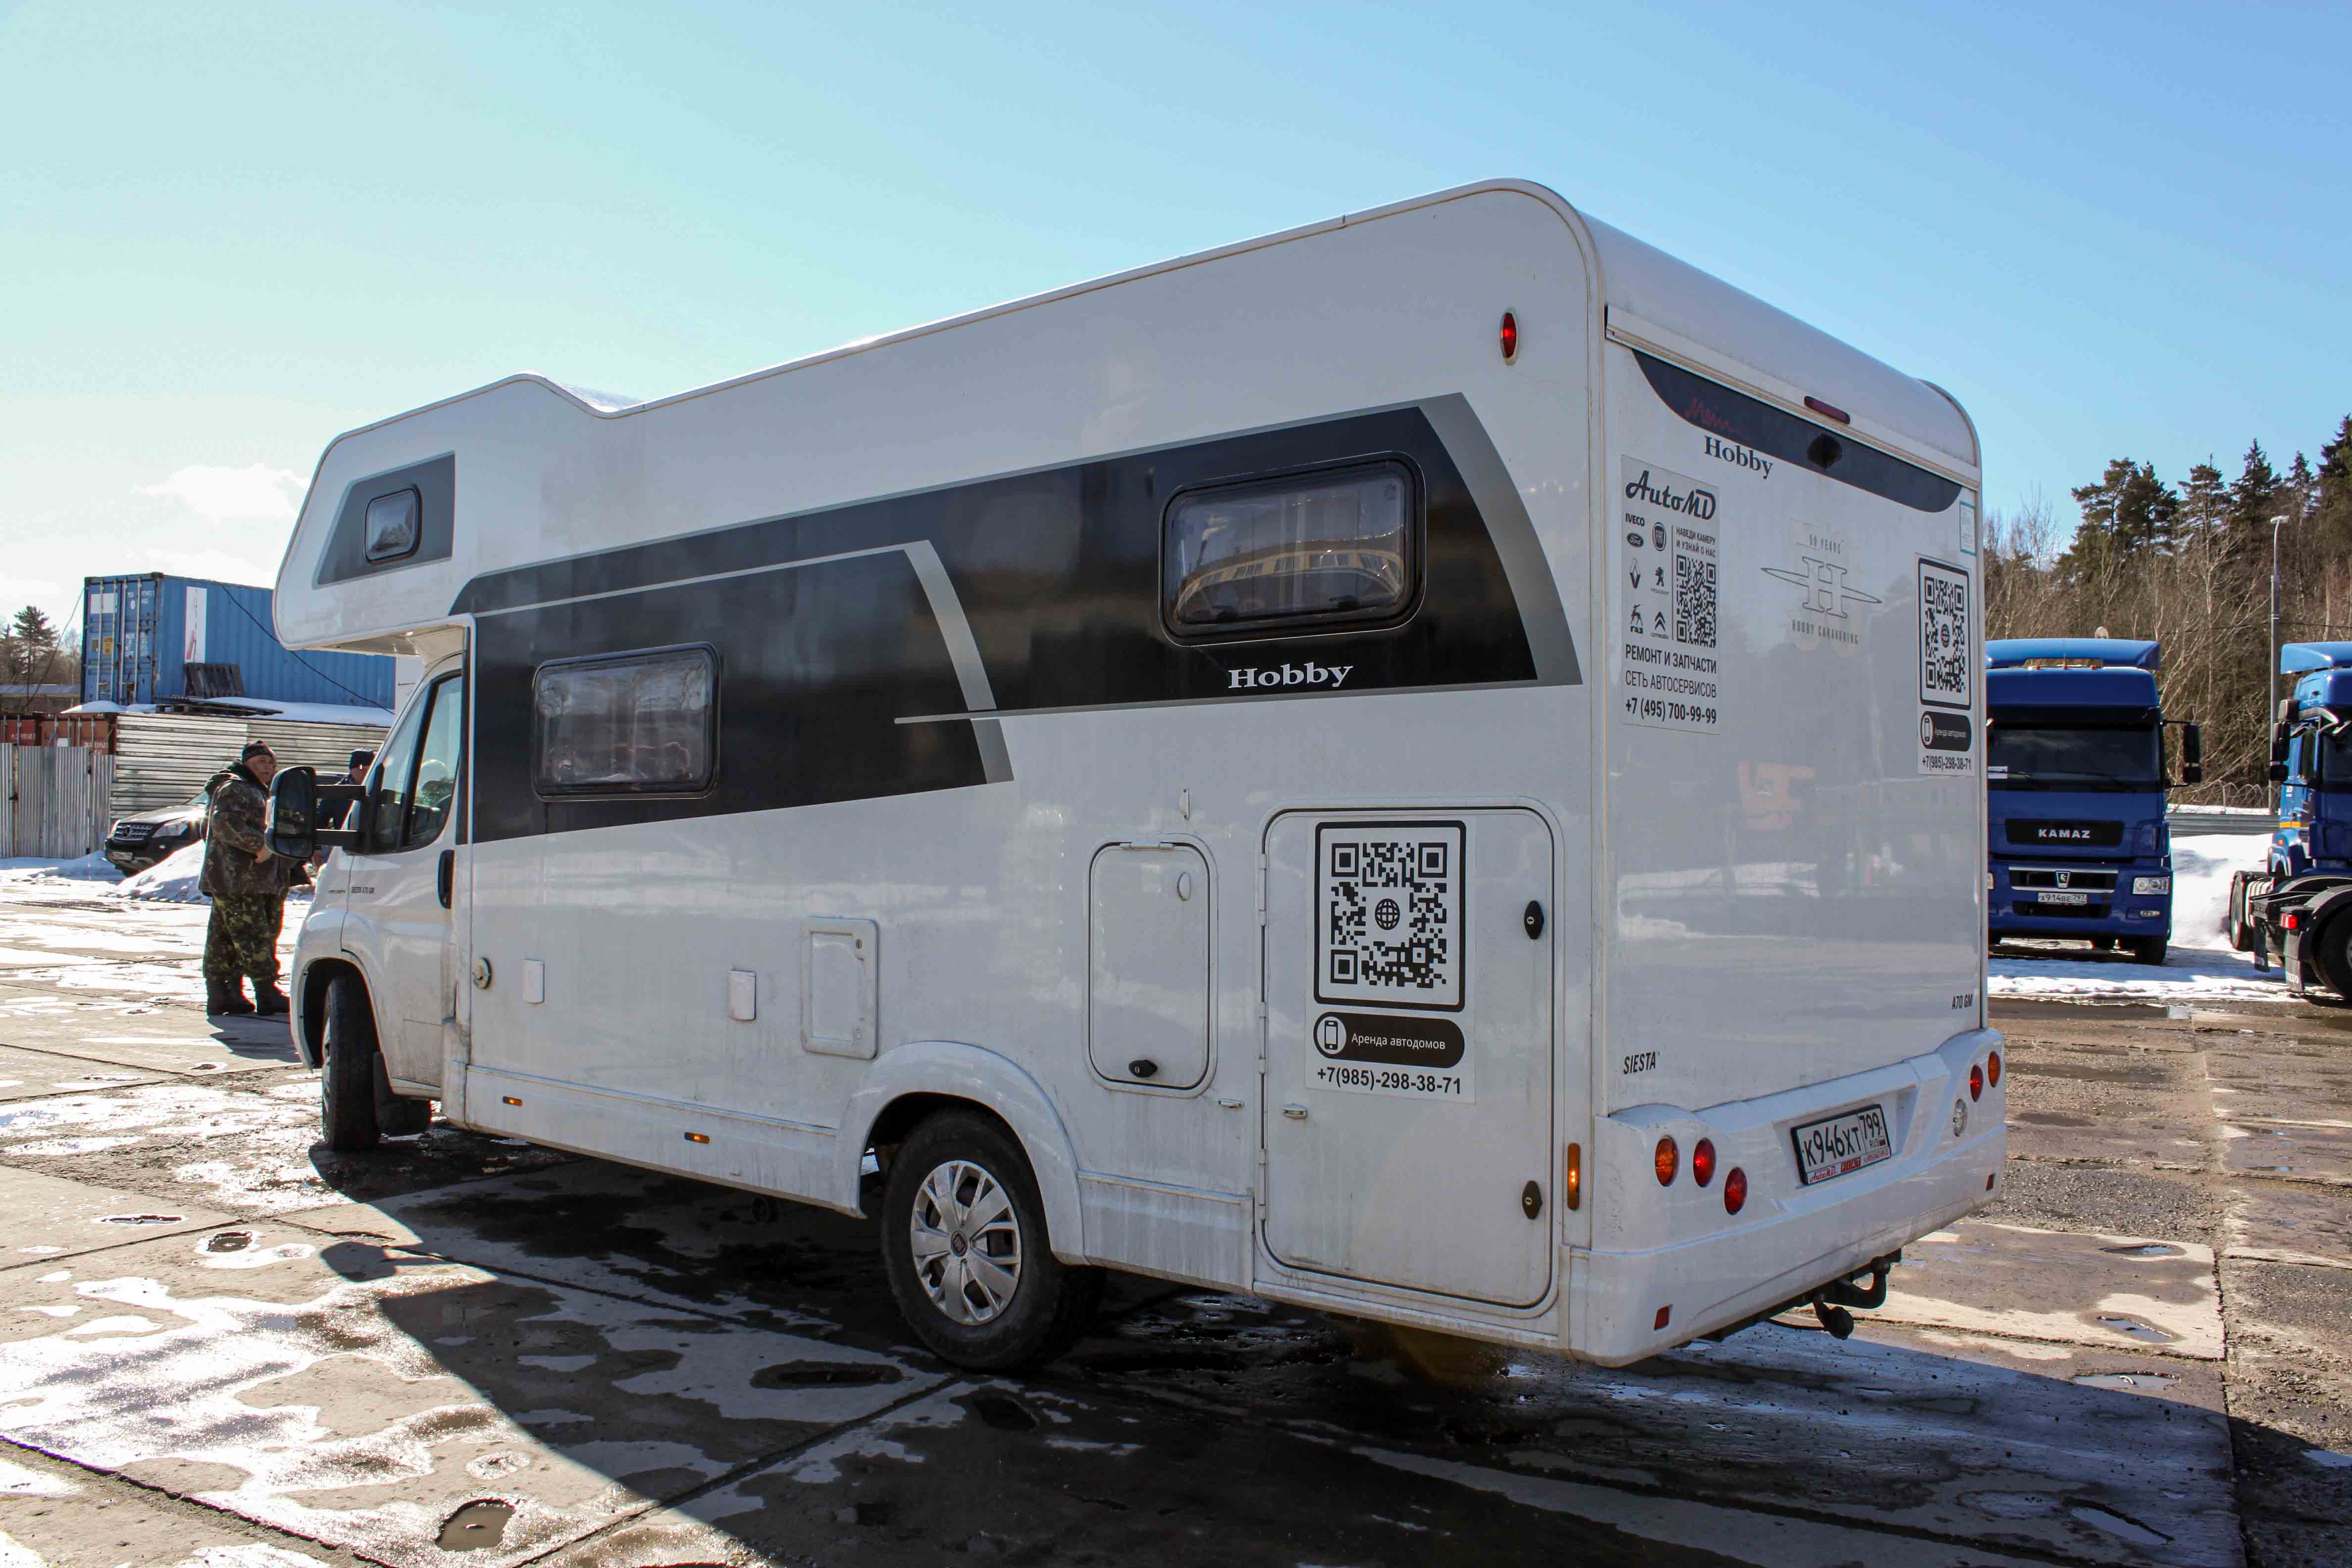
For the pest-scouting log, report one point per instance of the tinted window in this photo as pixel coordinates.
(1333, 546)
(2071, 757)
(1744, 421)
(393, 525)
(627, 723)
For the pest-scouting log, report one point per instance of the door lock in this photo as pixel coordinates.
(1295, 1112)
(1531, 1200)
(1143, 1067)
(1533, 920)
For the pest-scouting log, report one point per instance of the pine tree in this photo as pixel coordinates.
(32, 626)
(2129, 511)
(2331, 505)
(2257, 495)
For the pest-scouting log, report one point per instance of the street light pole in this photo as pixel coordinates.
(2276, 523)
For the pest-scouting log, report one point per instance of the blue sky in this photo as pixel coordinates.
(229, 231)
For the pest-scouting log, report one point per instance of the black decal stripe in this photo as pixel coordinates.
(1021, 594)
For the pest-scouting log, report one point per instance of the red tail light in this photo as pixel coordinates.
(1668, 1160)
(1975, 1081)
(1703, 1161)
(1992, 1069)
(1735, 1190)
(1510, 337)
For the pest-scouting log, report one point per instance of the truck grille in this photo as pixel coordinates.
(2083, 881)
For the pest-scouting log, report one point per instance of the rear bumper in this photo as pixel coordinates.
(1675, 1249)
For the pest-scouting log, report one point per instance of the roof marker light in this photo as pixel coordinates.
(1829, 410)
(1509, 336)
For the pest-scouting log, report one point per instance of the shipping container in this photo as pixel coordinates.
(139, 634)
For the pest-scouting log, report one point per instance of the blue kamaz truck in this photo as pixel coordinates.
(2300, 904)
(2075, 783)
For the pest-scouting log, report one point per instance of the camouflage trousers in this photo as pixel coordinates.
(241, 938)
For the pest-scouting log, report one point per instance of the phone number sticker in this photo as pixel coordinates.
(1420, 1056)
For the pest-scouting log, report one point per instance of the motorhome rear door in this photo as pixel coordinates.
(1409, 1049)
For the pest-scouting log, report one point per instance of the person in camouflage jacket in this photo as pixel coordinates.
(246, 884)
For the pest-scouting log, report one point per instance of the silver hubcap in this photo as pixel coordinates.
(967, 1242)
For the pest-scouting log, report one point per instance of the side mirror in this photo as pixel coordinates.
(2278, 773)
(2192, 755)
(292, 827)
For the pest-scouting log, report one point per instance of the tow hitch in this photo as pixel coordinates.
(1831, 1302)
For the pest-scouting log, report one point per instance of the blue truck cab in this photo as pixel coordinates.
(2075, 783)
(2299, 905)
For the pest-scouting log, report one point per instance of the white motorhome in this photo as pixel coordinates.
(1425, 766)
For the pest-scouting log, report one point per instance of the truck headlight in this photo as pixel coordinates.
(2145, 886)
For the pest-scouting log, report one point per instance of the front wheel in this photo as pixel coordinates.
(965, 1245)
(2148, 949)
(347, 1086)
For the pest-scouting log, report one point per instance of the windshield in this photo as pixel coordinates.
(2334, 756)
(2072, 757)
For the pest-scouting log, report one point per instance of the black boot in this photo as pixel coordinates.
(226, 998)
(269, 1001)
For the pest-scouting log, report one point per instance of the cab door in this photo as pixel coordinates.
(403, 883)
(1409, 1105)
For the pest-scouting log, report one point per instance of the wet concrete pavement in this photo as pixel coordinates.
(221, 1345)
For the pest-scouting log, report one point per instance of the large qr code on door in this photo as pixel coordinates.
(1389, 903)
(1947, 668)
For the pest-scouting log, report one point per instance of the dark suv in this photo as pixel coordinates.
(135, 842)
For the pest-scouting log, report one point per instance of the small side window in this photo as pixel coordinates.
(1340, 547)
(393, 525)
(631, 724)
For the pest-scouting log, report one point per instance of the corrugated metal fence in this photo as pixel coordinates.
(163, 759)
(54, 804)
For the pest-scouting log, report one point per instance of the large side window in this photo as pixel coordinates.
(1340, 547)
(416, 780)
(629, 723)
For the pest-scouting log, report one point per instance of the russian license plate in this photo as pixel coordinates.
(2063, 898)
(1841, 1144)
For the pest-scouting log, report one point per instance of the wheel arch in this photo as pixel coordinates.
(913, 1082)
(310, 1005)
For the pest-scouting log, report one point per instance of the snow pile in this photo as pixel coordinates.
(2201, 966)
(173, 879)
(91, 867)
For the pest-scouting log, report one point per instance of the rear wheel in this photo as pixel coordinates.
(965, 1245)
(2331, 953)
(2147, 949)
(2241, 934)
(347, 1087)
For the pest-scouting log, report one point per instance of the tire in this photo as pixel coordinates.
(2241, 934)
(347, 1086)
(2331, 955)
(2148, 949)
(988, 1319)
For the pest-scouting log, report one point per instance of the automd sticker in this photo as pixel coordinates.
(1668, 612)
(1417, 1055)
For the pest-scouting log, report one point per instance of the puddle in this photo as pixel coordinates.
(2125, 1382)
(229, 1241)
(476, 1526)
(823, 1375)
(2134, 1328)
(1000, 1410)
(2147, 1249)
(140, 1219)
(2116, 1525)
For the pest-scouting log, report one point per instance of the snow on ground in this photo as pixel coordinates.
(2201, 966)
(171, 880)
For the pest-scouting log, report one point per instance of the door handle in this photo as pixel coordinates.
(446, 879)
(1295, 1112)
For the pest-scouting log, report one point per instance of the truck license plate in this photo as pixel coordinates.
(1840, 1144)
(2064, 897)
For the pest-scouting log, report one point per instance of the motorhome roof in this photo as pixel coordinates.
(2125, 692)
(2298, 656)
(2071, 653)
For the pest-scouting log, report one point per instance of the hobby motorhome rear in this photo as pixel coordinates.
(1426, 766)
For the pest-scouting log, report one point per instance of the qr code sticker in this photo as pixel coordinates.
(1946, 666)
(1390, 900)
(1693, 587)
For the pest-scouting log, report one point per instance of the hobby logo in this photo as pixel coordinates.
(1826, 592)
(1310, 674)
